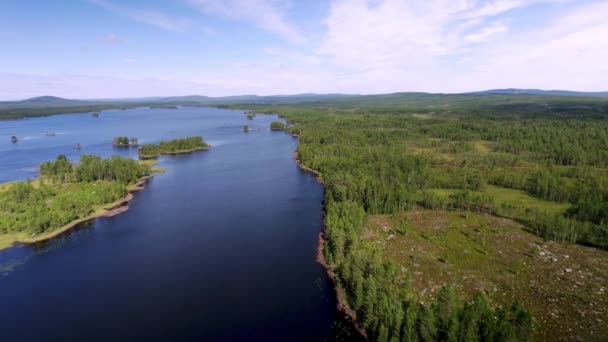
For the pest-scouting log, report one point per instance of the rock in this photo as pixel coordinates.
(568, 270)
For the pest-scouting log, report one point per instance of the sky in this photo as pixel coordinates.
(141, 48)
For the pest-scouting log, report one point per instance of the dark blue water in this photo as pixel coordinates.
(220, 247)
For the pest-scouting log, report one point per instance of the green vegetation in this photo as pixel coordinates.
(245, 128)
(277, 126)
(14, 139)
(250, 116)
(64, 193)
(539, 160)
(95, 115)
(175, 146)
(124, 142)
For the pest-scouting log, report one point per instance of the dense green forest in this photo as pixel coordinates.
(65, 192)
(386, 154)
(175, 146)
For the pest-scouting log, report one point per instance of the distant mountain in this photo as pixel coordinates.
(541, 92)
(45, 99)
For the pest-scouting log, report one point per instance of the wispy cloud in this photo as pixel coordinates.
(485, 33)
(147, 16)
(111, 38)
(267, 15)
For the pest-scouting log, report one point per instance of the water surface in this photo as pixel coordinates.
(220, 247)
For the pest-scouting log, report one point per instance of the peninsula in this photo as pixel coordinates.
(67, 194)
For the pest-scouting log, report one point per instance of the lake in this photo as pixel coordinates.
(221, 246)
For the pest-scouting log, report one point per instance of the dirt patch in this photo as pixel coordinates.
(564, 285)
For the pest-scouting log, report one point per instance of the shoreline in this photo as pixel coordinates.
(108, 210)
(305, 168)
(340, 294)
(175, 152)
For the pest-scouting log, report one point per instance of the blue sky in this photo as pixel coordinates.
(112, 48)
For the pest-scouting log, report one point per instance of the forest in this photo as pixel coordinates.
(386, 155)
(66, 192)
(175, 146)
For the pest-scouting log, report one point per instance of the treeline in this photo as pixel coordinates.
(181, 145)
(587, 227)
(51, 203)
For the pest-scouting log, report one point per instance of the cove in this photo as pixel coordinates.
(222, 246)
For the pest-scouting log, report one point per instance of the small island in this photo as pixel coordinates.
(125, 142)
(95, 115)
(175, 146)
(67, 194)
(246, 128)
(250, 116)
(50, 134)
(14, 139)
(278, 126)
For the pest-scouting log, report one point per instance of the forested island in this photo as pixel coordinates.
(125, 142)
(277, 126)
(463, 217)
(175, 146)
(66, 194)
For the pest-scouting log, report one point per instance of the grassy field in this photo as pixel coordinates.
(515, 198)
(564, 285)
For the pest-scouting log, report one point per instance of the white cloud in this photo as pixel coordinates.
(380, 46)
(147, 16)
(461, 45)
(569, 52)
(406, 34)
(267, 15)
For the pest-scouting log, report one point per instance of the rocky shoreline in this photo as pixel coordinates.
(340, 294)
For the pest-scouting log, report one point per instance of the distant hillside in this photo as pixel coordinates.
(524, 102)
(542, 92)
(269, 99)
